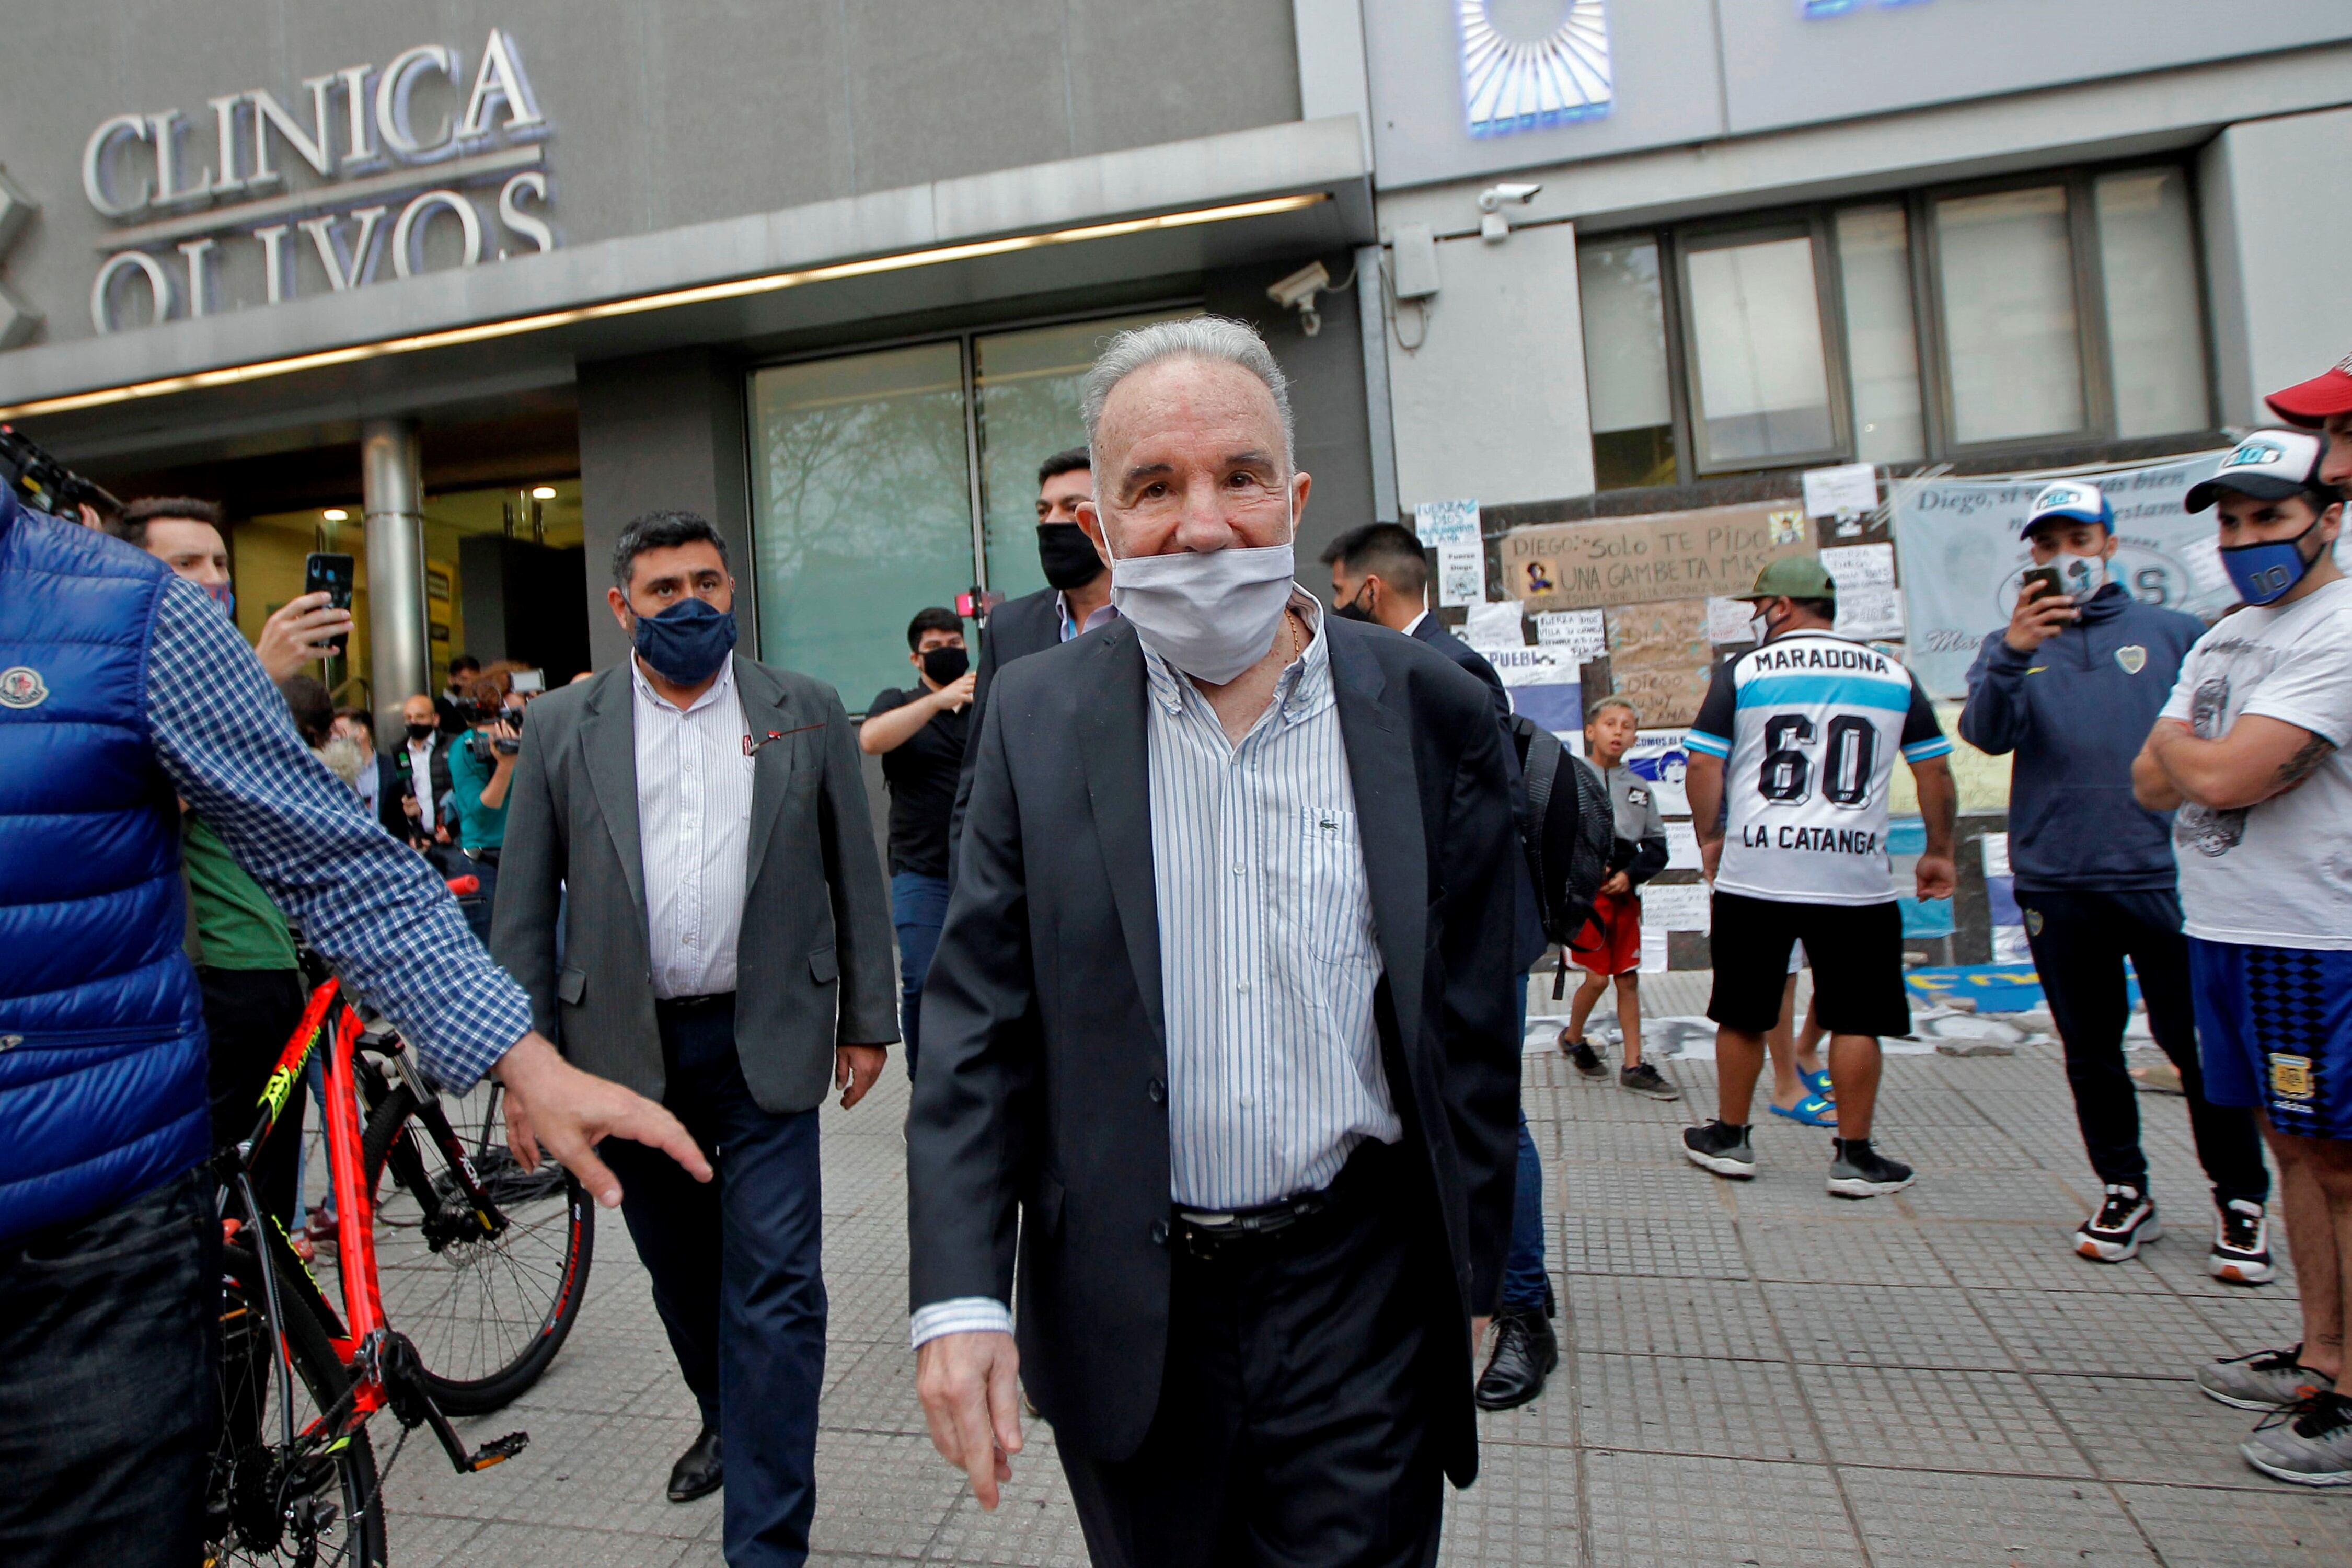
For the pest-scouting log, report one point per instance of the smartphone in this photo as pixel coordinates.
(529, 682)
(331, 575)
(2051, 587)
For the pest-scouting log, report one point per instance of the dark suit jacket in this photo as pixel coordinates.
(1030, 624)
(1527, 916)
(403, 771)
(814, 966)
(1439, 636)
(390, 788)
(1044, 1064)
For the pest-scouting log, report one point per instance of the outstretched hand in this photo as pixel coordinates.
(554, 1106)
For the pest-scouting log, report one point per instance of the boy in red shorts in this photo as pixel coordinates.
(1611, 945)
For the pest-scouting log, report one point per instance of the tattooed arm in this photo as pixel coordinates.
(2260, 758)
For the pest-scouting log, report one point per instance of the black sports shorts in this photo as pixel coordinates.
(1855, 951)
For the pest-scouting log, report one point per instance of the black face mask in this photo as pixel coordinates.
(1353, 610)
(419, 732)
(945, 666)
(1068, 555)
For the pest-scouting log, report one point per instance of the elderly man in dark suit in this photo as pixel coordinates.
(727, 951)
(1217, 1040)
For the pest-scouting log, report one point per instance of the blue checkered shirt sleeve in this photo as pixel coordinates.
(369, 905)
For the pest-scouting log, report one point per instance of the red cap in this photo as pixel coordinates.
(2309, 402)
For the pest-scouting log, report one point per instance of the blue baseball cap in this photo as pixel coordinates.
(2075, 500)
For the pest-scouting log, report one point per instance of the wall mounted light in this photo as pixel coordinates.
(542, 492)
(337, 514)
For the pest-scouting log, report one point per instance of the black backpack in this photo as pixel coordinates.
(1558, 781)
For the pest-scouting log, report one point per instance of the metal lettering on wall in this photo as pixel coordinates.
(206, 205)
(1532, 63)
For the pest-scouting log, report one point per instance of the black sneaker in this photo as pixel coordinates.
(1859, 1170)
(1722, 1148)
(1580, 1052)
(1642, 1079)
(2125, 1219)
(1526, 1352)
(2242, 1244)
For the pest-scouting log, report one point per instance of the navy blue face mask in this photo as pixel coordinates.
(688, 642)
(2263, 573)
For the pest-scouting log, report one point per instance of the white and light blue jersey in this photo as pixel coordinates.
(1809, 726)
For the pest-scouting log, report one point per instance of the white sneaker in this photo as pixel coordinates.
(2126, 1219)
(2242, 1244)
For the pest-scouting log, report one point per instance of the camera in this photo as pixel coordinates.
(47, 485)
(480, 744)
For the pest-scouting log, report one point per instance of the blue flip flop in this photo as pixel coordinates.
(1813, 1110)
(1818, 1082)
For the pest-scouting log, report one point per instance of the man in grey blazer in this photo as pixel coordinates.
(726, 950)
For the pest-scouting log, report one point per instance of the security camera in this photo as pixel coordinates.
(1298, 291)
(1494, 228)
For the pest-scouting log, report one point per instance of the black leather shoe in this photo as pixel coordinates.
(1526, 1352)
(699, 1471)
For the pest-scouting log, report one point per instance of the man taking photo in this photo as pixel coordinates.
(2070, 687)
(2248, 755)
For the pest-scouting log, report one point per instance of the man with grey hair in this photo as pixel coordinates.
(1217, 1040)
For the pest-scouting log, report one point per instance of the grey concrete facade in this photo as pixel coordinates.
(658, 117)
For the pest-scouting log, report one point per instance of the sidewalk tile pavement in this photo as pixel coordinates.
(1753, 1374)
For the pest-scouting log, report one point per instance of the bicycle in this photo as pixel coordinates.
(295, 1480)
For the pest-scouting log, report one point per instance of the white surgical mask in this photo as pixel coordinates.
(1759, 628)
(2082, 576)
(1211, 614)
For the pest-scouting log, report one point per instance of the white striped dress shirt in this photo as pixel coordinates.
(694, 828)
(1266, 955)
(1267, 959)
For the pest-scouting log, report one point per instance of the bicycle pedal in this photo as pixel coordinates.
(499, 1451)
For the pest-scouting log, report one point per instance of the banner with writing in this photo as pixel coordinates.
(1961, 556)
(1712, 552)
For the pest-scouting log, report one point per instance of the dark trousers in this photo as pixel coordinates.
(736, 1277)
(476, 907)
(1295, 1423)
(2079, 940)
(1525, 1285)
(918, 908)
(109, 1332)
(249, 1015)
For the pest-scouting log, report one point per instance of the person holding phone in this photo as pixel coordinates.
(2071, 686)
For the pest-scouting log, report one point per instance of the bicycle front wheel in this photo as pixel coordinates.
(486, 1292)
(317, 1502)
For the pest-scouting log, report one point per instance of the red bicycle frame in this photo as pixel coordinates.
(383, 1364)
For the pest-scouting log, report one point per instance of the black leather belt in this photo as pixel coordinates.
(1212, 1232)
(695, 1003)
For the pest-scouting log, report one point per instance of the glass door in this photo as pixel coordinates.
(861, 509)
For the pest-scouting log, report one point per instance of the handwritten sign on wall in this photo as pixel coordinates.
(1715, 551)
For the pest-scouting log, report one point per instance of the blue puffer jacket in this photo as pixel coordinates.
(101, 1027)
(2076, 712)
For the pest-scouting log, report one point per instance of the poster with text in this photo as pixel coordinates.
(1961, 553)
(1711, 551)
